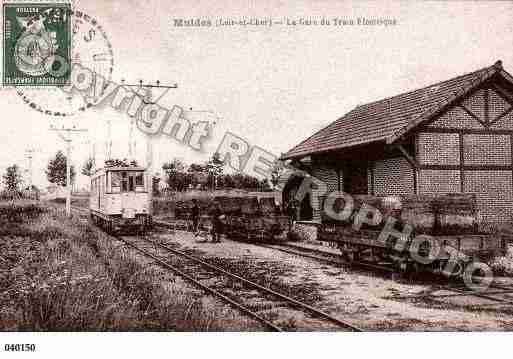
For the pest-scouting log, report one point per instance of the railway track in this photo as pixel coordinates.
(249, 297)
(496, 294)
(311, 253)
(252, 299)
(323, 256)
(493, 293)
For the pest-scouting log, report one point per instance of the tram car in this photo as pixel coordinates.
(449, 220)
(120, 198)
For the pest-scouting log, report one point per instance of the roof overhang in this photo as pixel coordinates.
(349, 147)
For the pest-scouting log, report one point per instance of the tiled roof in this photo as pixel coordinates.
(389, 119)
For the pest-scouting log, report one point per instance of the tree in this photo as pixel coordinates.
(214, 169)
(197, 174)
(56, 170)
(176, 178)
(197, 168)
(12, 179)
(174, 166)
(88, 167)
(228, 181)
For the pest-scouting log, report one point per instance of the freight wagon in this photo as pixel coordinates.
(247, 218)
(446, 230)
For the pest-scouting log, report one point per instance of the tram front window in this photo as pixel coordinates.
(115, 180)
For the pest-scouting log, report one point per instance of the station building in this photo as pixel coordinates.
(455, 136)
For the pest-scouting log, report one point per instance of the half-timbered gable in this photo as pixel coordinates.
(468, 149)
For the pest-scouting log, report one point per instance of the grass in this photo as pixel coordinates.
(59, 274)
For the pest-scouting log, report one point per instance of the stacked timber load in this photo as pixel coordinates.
(274, 223)
(205, 205)
(418, 212)
(427, 214)
(391, 206)
(456, 213)
(267, 206)
(183, 209)
(336, 206)
(230, 205)
(249, 206)
(372, 201)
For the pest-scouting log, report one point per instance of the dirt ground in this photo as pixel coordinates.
(372, 301)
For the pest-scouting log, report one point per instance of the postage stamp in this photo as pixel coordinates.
(91, 48)
(37, 44)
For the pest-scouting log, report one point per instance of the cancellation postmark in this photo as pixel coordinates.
(90, 48)
(37, 44)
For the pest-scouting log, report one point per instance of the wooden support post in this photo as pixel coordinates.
(406, 155)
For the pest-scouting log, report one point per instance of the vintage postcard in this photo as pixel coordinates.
(324, 167)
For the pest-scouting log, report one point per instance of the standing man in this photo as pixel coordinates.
(195, 215)
(217, 223)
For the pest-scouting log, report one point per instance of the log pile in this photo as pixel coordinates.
(456, 214)
(247, 218)
(446, 214)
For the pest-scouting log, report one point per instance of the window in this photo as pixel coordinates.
(139, 180)
(124, 183)
(115, 180)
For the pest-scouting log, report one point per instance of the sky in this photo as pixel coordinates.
(273, 86)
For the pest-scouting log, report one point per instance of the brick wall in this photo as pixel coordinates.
(439, 181)
(445, 170)
(505, 123)
(438, 148)
(330, 178)
(494, 194)
(456, 118)
(392, 176)
(486, 149)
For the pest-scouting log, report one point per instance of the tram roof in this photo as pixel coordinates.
(120, 168)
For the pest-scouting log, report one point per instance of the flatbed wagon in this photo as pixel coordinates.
(448, 231)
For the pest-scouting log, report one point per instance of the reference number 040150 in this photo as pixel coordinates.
(20, 347)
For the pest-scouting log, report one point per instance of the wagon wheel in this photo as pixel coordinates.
(353, 255)
(403, 266)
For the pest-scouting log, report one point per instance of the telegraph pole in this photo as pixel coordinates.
(67, 138)
(29, 156)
